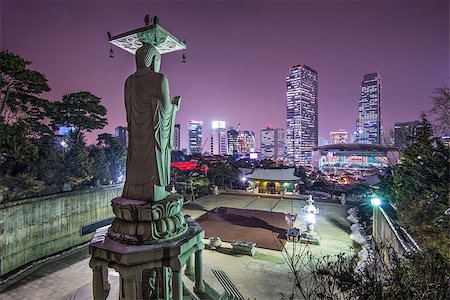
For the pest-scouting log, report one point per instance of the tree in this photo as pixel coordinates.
(421, 275)
(78, 169)
(100, 166)
(81, 110)
(267, 163)
(422, 188)
(19, 91)
(441, 110)
(50, 161)
(116, 155)
(17, 152)
(222, 174)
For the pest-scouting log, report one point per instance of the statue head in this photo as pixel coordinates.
(148, 57)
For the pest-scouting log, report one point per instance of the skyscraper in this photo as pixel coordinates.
(368, 125)
(232, 136)
(176, 137)
(403, 131)
(121, 133)
(302, 114)
(219, 145)
(272, 143)
(195, 136)
(246, 142)
(339, 137)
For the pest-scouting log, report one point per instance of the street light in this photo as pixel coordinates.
(375, 201)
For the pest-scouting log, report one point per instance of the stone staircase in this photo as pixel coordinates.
(228, 285)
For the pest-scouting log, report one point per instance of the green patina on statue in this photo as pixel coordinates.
(151, 117)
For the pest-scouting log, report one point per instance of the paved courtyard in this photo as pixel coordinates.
(263, 276)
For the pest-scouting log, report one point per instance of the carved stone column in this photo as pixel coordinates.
(190, 265)
(129, 286)
(100, 284)
(177, 291)
(199, 284)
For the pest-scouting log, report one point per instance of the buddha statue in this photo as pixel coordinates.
(150, 117)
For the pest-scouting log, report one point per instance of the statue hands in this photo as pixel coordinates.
(176, 101)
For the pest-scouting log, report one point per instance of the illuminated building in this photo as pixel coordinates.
(176, 137)
(65, 130)
(339, 137)
(195, 136)
(368, 125)
(121, 133)
(274, 181)
(351, 157)
(302, 114)
(232, 136)
(403, 131)
(272, 143)
(219, 145)
(446, 141)
(246, 142)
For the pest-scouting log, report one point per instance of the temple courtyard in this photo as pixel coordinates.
(262, 276)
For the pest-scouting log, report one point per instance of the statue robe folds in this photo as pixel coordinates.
(151, 118)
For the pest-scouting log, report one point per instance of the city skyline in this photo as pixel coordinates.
(235, 70)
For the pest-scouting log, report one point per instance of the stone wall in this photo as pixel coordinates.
(387, 233)
(34, 228)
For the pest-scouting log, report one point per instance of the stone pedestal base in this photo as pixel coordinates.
(147, 222)
(146, 271)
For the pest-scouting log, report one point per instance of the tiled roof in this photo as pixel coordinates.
(274, 174)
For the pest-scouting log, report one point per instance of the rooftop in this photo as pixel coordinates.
(274, 174)
(355, 147)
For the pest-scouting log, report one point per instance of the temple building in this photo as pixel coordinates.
(274, 181)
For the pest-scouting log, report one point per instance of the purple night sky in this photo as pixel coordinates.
(239, 54)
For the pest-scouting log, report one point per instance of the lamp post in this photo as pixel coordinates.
(375, 202)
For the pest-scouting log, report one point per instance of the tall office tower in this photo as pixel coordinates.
(339, 137)
(246, 142)
(232, 136)
(176, 137)
(302, 114)
(121, 133)
(403, 131)
(272, 143)
(195, 136)
(368, 125)
(219, 145)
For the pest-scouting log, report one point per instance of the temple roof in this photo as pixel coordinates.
(274, 175)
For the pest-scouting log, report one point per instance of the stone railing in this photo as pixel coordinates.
(34, 228)
(387, 234)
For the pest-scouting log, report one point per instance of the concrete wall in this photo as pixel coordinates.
(34, 228)
(386, 233)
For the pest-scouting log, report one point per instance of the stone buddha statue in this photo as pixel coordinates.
(151, 117)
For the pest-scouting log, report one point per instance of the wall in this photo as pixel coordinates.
(386, 233)
(34, 228)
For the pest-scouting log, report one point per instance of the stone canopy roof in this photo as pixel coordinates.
(274, 175)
